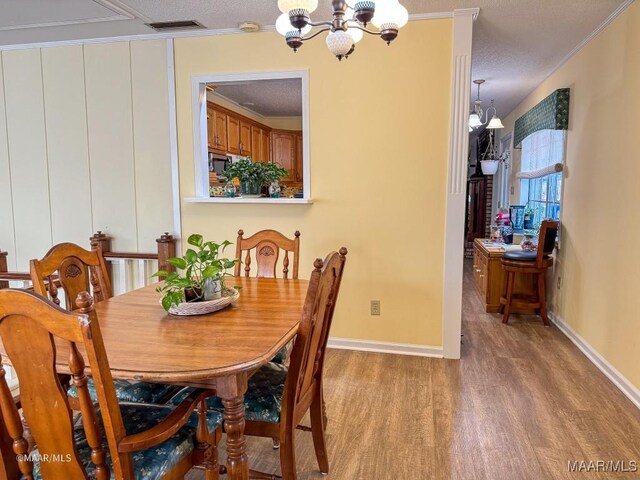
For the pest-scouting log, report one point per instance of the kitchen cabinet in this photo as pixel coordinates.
(245, 138)
(233, 135)
(219, 130)
(283, 151)
(299, 169)
(260, 145)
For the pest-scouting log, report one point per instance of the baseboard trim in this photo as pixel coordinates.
(385, 347)
(619, 380)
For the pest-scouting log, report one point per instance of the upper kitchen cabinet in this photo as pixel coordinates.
(220, 131)
(260, 144)
(233, 135)
(245, 138)
(284, 152)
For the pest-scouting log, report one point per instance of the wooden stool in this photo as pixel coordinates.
(531, 263)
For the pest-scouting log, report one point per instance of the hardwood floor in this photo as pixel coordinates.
(521, 404)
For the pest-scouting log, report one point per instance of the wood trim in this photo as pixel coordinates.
(241, 117)
(456, 182)
(385, 347)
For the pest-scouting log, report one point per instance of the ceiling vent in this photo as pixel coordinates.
(176, 25)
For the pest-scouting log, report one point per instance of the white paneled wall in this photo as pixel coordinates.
(84, 146)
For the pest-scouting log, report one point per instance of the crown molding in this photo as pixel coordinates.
(430, 16)
(474, 12)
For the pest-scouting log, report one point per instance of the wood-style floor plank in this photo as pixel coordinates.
(522, 402)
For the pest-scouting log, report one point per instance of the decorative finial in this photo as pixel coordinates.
(343, 251)
(318, 264)
(84, 302)
(297, 234)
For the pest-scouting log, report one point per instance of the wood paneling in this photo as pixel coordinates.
(7, 239)
(152, 151)
(27, 153)
(67, 145)
(109, 113)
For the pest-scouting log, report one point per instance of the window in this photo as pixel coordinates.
(541, 173)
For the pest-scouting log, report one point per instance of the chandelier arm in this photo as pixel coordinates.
(364, 29)
(304, 39)
(320, 24)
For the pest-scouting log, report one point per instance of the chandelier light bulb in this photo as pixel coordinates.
(283, 26)
(355, 33)
(287, 6)
(495, 123)
(390, 14)
(339, 43)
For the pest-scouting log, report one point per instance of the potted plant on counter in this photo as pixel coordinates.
(253, 175)
(529, 218)
(201, 277)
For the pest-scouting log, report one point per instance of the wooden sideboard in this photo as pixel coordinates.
(489, 277)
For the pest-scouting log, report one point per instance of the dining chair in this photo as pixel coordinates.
(530, 263)
(266, 245)
(80, 270)
(124, 442)
(278, 397)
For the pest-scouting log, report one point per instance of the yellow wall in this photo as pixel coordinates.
(597, 262)
(379, 135)
(282, 123)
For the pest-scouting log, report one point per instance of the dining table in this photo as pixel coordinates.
(220, 350)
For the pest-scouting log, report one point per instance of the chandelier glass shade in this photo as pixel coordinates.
(346, 28)
(475, 117)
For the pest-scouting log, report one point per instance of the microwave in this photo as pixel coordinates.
(218, 163)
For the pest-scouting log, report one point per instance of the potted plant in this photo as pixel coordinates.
(253, 175)
(529, 218)
(202, 273)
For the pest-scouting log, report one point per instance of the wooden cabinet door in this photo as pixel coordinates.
(299, 169)
(283, 146)
(220, 130)
(245, 138)
(233, 135)
(257, 154)
(211, 135)
(265, 146)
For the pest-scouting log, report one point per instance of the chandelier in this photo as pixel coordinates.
(348, 26)
(475, 118)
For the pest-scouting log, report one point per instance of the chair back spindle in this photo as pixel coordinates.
(267, 245)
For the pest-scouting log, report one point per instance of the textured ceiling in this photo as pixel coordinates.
(269, 98)
(517, 43)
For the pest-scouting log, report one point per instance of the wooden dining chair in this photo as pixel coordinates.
(278, 397)
(78, 270)
(167, 441)
(530, 263)
(266, 245)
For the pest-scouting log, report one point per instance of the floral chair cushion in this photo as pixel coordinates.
(263, 400)
(130, 391)
(152, 463)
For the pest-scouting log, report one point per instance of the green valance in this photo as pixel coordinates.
(552, 113)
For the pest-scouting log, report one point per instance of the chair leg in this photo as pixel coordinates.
(318, 423)
(276, 443)
(288, 456)
(511, 276)
(542, 298)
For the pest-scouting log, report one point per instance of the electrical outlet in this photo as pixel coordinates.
(559, 282)
(375, 307)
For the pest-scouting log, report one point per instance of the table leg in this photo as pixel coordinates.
(231, 390)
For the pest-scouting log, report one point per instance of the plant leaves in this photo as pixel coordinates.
(160, 273)
(195, 240)
(178, 263)
(212, 270)
(191, 256)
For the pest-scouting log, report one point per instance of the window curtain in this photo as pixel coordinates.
(552, 113)
(542, 154)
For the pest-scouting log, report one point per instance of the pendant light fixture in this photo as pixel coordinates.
(475, 118)
(347, 26)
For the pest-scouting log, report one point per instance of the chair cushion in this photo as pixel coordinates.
(521, 256)
(152, 463)
(129, 391)
(263, 400)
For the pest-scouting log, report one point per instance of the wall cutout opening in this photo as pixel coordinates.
(252, 138)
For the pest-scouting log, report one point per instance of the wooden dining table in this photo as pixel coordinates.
(219, 350)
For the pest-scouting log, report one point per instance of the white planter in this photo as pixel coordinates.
(489, 167)
(212, 289)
